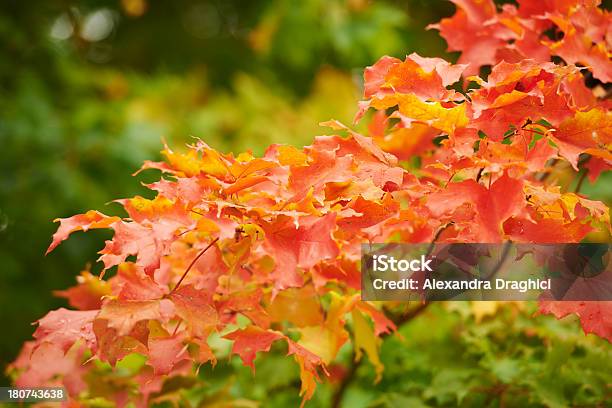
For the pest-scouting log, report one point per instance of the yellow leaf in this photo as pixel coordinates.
(432, 113)
(290, 156)
(481, 309)
(508, 98)
(207, 226)
(148, 207)
(366, 341)
(306, 205)
(212, 163)
(308, 379)
(300, 306)
(246, 165)
(322, 341)
(188, 163)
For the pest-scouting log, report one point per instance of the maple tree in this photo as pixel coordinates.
(265, 250)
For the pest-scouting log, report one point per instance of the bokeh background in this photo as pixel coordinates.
(89, 89)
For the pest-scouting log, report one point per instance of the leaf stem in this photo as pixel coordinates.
(198, 256)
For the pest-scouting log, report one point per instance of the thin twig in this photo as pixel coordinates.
(202, 252)
(177, 327)
(502, 259)
(580, 181)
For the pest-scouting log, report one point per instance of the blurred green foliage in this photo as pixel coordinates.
(88, 90)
